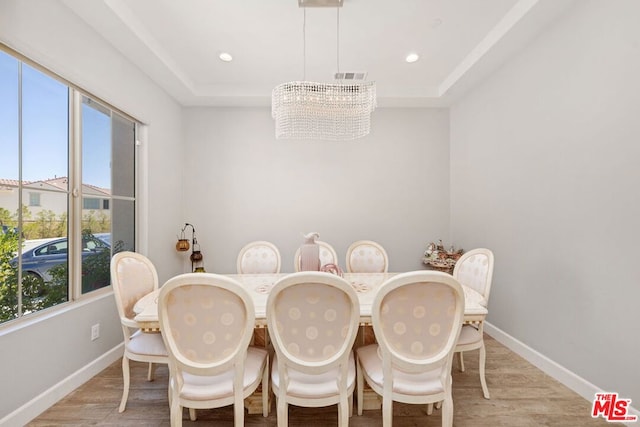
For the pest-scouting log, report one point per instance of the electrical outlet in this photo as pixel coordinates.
(95, 332)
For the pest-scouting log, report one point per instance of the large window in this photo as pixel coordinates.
(67, 189)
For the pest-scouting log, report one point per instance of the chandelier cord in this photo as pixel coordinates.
(304, 45)
(338, 39)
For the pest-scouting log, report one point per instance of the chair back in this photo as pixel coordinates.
(366, 256)
(258, 257)
(132, 276)
(474, 269)
(417, 317)
(207, 321)
(326, 252)
(313, 320)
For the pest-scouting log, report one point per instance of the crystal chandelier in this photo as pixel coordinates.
(326, 111)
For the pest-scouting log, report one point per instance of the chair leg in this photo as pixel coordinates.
(387, 412)
(176, 413)
(461, 359)
(343, 413)
(447, 412)
(430, 409)
(282, 412)
(351, 405)
(265, 389)
(193, 415)
(267, 339)
(360, 387)
(439, 405)
(483, 381)
(238, 413)
(152, 371)
(125, 380)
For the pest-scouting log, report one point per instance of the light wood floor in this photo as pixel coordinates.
(521, 395)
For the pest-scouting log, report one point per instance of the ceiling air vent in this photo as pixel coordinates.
(350, 76)
(320, 3)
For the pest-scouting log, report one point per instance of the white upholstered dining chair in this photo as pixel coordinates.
(258, 257)
(132, 277)
(366, 256)
(474, 269)
(326, 253)
(207, 322)
(416, 319)
(313, 320)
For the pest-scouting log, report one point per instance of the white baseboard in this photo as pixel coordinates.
(50, 397)
(561, 374)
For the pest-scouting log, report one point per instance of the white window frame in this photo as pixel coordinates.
(74, 195)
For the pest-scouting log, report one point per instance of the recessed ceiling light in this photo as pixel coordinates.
(226, 57)
(412, 57)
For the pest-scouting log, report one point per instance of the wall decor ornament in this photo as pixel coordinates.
(438, 258)
(182, 245)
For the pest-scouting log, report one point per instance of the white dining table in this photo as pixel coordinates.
(259, 285)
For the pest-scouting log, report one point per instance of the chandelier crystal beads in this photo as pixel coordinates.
(328, 111)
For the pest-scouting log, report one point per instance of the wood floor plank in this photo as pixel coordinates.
(521, 396)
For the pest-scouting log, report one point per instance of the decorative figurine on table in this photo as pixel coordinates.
(333, 269)
(437, 258)
(310, 253)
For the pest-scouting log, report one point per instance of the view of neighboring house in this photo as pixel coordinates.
(50, 195)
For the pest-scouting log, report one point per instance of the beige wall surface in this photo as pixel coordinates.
(241, 184)
(538, 164)
(544, 166)
(48, 350)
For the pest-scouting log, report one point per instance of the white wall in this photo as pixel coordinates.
(544, 166)
(48, 350)
(241, 184)
(543, 171)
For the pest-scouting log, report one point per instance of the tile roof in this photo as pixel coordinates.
(57, 182)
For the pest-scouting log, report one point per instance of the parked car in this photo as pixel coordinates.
(5, 229)
(40, 256)
(105, 237)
